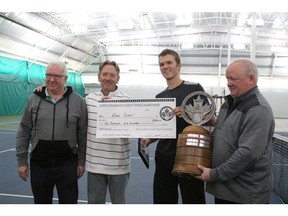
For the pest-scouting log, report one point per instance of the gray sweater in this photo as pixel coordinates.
(242, 150)
(57, 131)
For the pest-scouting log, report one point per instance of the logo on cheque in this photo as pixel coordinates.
(166, 113)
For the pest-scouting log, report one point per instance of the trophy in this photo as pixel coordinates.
(194, 144)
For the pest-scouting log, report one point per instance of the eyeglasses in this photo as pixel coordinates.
(56, 77)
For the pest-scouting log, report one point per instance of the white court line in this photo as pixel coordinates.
(7, 150)
(15, 122)
(31, 197)
(16, 195)
(7, 132)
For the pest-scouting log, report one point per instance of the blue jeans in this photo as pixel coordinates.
(64, 177)
(98, 184)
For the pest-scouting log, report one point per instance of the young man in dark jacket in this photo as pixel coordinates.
(165, 185)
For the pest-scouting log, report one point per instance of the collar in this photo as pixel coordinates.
(51, 98)
(232, 101)
(112, 93)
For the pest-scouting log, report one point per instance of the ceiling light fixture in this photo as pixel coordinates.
(239, 46)
(279, 49)
(182, 20)
(187, 46)
(258, 22)
(78, 22)
(126, 26)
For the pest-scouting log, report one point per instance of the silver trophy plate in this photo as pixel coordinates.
(198, 108)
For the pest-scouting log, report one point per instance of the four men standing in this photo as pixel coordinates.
(55, 122)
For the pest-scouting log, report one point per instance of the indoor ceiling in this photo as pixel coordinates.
(83, 40)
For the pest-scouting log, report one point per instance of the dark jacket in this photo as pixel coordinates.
(167, 147)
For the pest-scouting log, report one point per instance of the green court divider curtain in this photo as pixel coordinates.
(18, 80)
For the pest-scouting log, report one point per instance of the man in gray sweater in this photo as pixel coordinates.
(242, 141)
(54, 124)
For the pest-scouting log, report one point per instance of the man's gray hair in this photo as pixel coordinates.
(60, 65)
(249, 66)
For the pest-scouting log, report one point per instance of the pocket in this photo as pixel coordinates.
(48, 153)
(61, 149)
(42, 150)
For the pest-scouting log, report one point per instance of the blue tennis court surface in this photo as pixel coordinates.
(14, 190)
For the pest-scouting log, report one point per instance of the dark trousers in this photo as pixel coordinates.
(165, 186)
(64, 177)
(221, 201)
